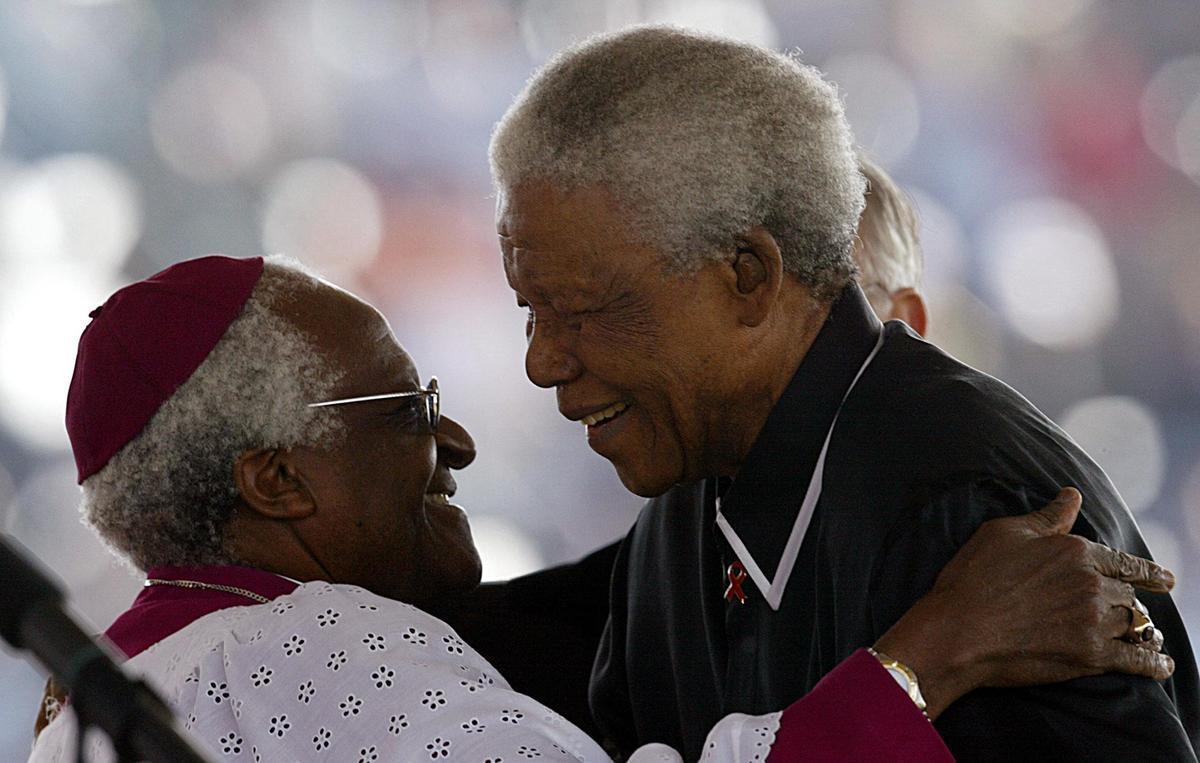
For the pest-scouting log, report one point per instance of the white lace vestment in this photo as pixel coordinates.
(333, 672)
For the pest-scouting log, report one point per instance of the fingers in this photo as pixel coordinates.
(1116, 598)
(1142, 573)
(1056, 517)
(1123, 657)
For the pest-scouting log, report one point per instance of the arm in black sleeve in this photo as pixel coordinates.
(609, 691)
(1108, 717)
(541, 630)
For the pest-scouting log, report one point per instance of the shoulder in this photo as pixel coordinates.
(915, 376)
(934, 424)
(950, 448)
(331, 671)
(322, 633)
(357, 622)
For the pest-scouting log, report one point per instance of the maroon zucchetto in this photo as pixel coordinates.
(144, 342)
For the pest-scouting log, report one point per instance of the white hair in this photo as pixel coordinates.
(167, 495)
(698, 139)
(889, 248)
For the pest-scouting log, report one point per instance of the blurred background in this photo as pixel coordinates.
(1053, 151)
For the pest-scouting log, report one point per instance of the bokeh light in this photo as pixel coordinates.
(506, 550)
(1187, 140)
(465, 42)
(101, 37)
(932, 33)
(1179, 237)
(42, 314)
(943, 239)
(1125, 438)
(1166, 548)
(745, 20)
(1189, 499)
(3, 104)
(368, 39)
(76, 208)
(964, 326)
(324, 213)
(1166, 110)
(547, 26)
(211, 123)
(1033, 18)
(1049, 266)
(881, 104)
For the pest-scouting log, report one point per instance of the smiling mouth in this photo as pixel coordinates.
(442, 499)
(601, 417)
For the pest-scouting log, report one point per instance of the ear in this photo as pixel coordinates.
(909, 306)
(754, 275)
(271, 485)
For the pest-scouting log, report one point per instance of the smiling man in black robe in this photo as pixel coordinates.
(677, 214)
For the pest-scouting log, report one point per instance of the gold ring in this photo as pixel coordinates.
(1140, 626)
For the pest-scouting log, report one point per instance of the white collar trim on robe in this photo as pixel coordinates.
(772, 590)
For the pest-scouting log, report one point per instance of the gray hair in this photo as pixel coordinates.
(166, 497)
(698, 139)
(889, 249)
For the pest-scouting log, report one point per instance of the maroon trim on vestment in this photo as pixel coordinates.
(857, 712)
(158, 611)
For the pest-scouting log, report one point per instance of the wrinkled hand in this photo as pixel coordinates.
(1022, 603)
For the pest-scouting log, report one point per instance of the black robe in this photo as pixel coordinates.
(925, 449)
(541, 630)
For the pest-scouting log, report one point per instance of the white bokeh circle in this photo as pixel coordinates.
(1049, 267)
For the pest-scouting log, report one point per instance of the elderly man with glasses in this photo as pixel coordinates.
(256, 441)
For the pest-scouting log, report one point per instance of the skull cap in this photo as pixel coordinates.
(143, 343)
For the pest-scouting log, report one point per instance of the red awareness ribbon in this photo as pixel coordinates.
(736, 574)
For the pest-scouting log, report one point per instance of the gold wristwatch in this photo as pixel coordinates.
(904, 676)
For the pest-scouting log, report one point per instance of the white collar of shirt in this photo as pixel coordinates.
(772, 590)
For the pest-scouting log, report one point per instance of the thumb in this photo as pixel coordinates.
(1057, 517)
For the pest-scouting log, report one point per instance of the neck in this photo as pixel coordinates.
(274, 546)
(765, 368)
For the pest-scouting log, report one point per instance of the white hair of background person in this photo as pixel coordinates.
(167, 495)
(888, 250)
(698, 139)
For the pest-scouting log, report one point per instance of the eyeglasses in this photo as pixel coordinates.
(432, 400)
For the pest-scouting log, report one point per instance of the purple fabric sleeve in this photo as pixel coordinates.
(856, 712)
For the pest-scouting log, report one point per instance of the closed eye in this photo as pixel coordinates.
(407, 413)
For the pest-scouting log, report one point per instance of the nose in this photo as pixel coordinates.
(455, 447)
(549, 361)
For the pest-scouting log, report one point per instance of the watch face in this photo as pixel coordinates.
(901, 679)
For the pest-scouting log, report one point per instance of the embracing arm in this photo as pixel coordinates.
(1031, 660)
(1021, 603)
(1054, 607)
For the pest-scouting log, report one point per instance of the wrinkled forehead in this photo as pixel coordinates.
(553, 273)
(576, 241)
